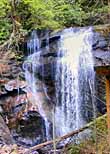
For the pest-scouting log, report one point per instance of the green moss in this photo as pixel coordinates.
(75, 149)
(96, 142)
(100, 124)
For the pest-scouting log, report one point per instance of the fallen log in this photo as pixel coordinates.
(71, 134)
(39, 146)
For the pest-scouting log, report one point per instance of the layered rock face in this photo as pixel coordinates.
(101, 49)
(17, 104)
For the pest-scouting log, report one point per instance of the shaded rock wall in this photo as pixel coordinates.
(101, 49)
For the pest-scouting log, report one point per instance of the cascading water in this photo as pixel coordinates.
(30, 67)
(74, 80)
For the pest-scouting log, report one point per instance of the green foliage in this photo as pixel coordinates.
(5, 27)
(98, 136)
(69, 15)
(40, 14)
(51, 14)
(5, 24)
(75, 149)
(4, 6)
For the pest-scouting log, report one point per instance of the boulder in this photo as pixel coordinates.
(30, 130)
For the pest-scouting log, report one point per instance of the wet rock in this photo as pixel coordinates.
(30, 129)
(53, 54)
(25, 123)
(45, 69)
(15, 84)
(101, 58)
(102, 43)
(99, 41)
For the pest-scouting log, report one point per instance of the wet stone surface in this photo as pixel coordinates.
(30, 130)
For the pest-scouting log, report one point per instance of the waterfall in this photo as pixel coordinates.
(30, 66)
(74, 80)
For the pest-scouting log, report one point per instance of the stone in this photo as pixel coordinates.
(5, 135)
(15, 84)
(30, 130)
(101, 58)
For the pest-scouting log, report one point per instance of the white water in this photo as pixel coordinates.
(31, 65)
(74, 80)
(74, 72)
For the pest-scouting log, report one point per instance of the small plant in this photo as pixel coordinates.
(75, 149)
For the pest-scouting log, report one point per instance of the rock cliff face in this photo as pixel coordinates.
(101, 47)
(16, 104)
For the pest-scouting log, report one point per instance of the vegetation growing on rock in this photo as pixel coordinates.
(97, 142)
